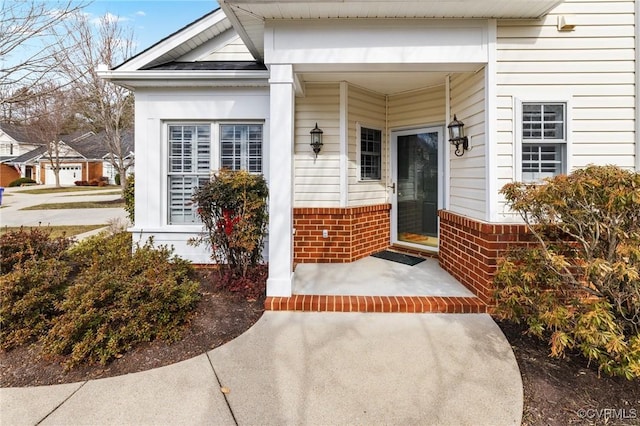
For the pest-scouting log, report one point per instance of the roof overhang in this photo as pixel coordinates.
(186, 78)
(248, 16)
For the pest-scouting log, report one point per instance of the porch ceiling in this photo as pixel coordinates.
(248, 16)
(386, 79)
(386, 83)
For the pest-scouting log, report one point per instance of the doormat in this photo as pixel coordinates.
(393, 256)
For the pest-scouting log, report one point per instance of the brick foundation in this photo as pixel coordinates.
(470, 249)
(353, 233)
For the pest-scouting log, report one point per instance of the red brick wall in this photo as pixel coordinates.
(8, 174)
(353, 233)
(470, 249)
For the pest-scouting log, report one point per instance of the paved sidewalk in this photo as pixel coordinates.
(307, 369)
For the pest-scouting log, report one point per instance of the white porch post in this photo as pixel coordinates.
(281, 140)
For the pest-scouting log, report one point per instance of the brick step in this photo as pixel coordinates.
(408, 304)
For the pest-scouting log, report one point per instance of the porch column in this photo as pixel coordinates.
(281, 142)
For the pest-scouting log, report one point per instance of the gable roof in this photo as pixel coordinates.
(89, 146)
(180, 42)
(19, 133)
(28, 156)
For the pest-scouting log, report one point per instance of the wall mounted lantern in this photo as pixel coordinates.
(457, 137)
(316, 140)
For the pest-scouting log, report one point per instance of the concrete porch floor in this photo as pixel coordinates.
(376, 285)
(371, 276)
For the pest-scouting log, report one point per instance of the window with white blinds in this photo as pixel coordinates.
(241, 147)
(544, 138)
(189, 165)
(191, 160)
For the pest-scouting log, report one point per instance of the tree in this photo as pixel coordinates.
(51, 117)
(101, 103)
(27, 30)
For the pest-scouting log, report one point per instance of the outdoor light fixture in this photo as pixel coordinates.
(457, 137)
(316, 139)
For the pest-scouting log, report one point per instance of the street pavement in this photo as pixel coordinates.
(15, 199)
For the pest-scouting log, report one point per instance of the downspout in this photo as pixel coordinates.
(447, 152)
(387, 134)
(637, 84)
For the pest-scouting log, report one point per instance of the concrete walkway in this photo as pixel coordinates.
(15, 199)
(307, 369)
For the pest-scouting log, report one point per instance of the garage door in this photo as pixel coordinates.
(69, 173)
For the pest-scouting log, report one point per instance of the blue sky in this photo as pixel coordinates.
(152, 20)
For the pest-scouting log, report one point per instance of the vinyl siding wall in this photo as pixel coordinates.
(369, 110)
(468, 173)
(591, 67)
(417, 108)
(317, 180)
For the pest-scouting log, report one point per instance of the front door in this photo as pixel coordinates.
(417, 169)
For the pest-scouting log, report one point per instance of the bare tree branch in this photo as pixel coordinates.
(27, 33)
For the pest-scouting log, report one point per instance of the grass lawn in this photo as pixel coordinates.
(79, 205)
(99, 193)
(56, 231)
(66, 189)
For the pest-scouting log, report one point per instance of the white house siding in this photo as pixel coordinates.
(235, 50)
(468, 183)
(317, 180)
(417, 108)
(591, 67)
(368, 109)
(155, 107)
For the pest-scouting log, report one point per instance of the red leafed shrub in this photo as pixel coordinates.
(233, 210)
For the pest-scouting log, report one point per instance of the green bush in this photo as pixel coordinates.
(21, 181)
(30, 293)
(233, 210)
(119, 299)
(129, 197)
(579, 284)
(32, 244)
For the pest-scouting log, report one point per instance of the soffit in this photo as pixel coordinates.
(248, 16)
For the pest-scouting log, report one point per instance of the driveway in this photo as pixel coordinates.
(15, 199)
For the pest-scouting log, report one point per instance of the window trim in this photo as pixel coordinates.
(519, 141)
(359, 127)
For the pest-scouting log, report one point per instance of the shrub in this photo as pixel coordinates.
(117, 179)
(94, 182)
(579, 285)
(34, 244)
(81, 183)
(129, 197)
(22, 181)
(119, 299)
(30, 293)
(233, 210)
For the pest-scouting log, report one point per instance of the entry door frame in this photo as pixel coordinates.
(393, 192)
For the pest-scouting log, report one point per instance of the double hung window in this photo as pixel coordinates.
(544, 140)
(193, 154)
(370, 145)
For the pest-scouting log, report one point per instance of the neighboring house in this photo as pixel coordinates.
(15, 141)
(542, 87)
(83, 157)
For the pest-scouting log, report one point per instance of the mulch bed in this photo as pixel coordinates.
(556, 391)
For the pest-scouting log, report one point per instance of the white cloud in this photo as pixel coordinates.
(109, 17)
(140, 13)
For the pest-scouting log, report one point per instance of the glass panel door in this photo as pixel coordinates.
(418, 170)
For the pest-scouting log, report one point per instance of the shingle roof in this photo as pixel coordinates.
(211, 66)
(19, 132)
(28, 156)
(94, 146)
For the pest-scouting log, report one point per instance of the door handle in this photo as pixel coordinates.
(393, 187)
